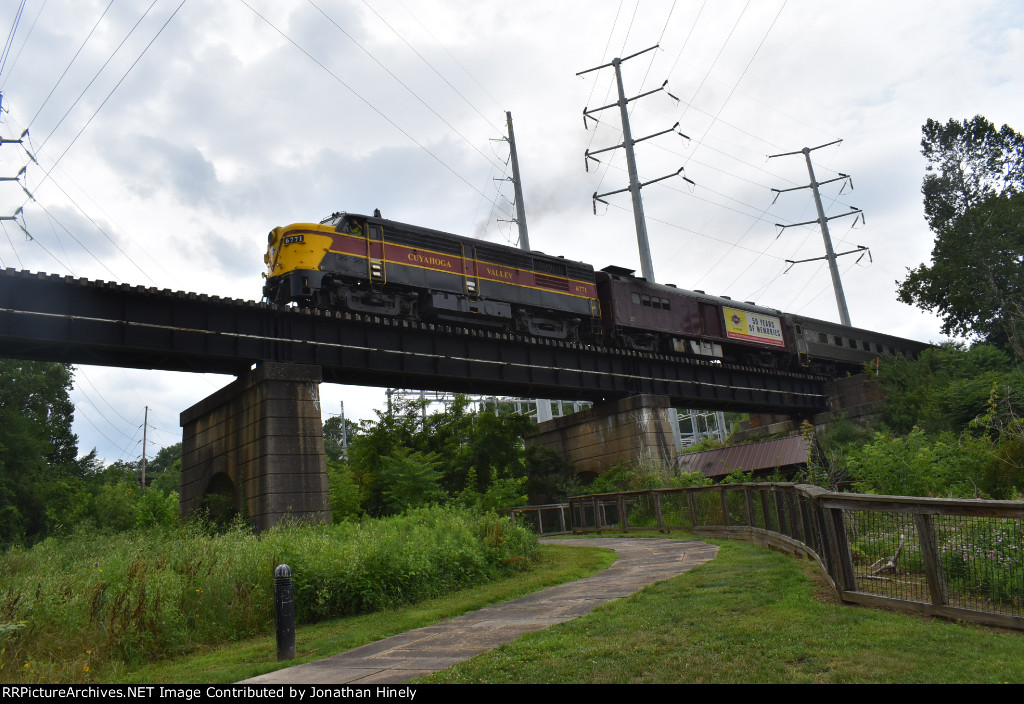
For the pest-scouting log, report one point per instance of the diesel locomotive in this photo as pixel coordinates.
(367, 264)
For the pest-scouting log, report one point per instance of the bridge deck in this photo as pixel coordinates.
(81, 321)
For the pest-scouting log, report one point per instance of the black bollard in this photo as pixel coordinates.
(284, 608)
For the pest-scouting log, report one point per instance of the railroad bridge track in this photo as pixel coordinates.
(82, 321)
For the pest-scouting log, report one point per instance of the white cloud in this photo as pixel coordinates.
(224, 129)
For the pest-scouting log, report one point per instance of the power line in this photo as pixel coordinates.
(399, 81)
(70, 63)
(10, 36)
(23, 44)
(744, 72)
(95, 76)
(364, 100)
(432, 68)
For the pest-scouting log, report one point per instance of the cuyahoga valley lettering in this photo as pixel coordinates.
(429, 260)
(498, 273)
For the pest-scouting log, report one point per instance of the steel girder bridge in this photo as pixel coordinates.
(64, 319)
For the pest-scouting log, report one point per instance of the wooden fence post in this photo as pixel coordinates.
(764, 509)
(932, 562)
(845, 577)
(656, 495)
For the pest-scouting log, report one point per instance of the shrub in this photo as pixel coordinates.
(141, 595)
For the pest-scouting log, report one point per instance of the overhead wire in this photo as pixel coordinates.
(47, 176)
(24, 43)
(70, 63)
(457, 92)
(42, 145)
(450, 55)
(10, 37)
(370, 105)
(398, 80)
(432, 67)
(742, 74)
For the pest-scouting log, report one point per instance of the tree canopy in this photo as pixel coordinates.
(974, 202)
(37, 446)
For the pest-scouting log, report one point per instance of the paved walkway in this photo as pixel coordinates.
(416, 653)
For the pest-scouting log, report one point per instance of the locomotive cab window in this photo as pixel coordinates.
(655, 302)
(823, 338)
(636, 299)
(838, 340)
(645, 300)
(853, 344)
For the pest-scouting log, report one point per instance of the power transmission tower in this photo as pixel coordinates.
(830, 255)
(646, 265)
(16, 179)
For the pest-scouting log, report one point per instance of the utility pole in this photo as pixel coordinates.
(646, 264)
(543, 404)
(145, 422)
(830, 255)
(517, 182)
(344, 432)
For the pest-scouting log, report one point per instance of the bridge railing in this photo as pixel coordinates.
(960, 559)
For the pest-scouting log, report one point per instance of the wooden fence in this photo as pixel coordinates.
(955, 558)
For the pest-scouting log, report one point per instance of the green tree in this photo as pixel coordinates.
(337, 436)
(410, 479)
(37, 448)
(974, 203)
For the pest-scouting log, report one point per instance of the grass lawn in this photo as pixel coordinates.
(239, 660)
(749, 615)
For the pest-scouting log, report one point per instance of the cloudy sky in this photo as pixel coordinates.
(172, 136)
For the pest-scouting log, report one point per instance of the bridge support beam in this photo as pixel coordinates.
(595, 440)
(256, 447)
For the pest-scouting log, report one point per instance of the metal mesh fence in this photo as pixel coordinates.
(675, 509)
(886, 554)
(736, 501)
(983, 562)
(642, 511)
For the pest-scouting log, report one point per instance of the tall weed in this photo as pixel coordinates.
(75, 605)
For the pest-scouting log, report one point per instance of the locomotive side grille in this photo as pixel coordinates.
(422, 240)
(551, 282)
(508, 258)
(580, 273)
(548, 267)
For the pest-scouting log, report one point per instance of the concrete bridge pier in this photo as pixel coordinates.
(595, 440)
(256, 447)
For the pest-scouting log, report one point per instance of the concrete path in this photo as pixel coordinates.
(416, 653)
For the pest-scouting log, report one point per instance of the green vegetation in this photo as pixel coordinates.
(407, 458)
(749, 616)
(950, 426)
(974, 202)
(46, 489)
(82, 604)
(239, 660)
